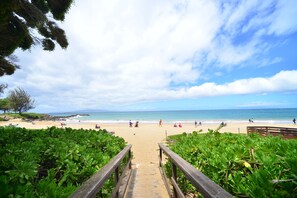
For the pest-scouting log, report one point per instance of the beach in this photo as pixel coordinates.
(145, 129)
(145, 138)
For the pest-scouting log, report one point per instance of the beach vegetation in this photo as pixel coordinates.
(20, 100)
(25, 23)
(244, 165)
(53, 162)
(3, 86)
(5, 105)
(26, 116)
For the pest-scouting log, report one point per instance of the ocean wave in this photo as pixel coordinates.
(77, 120)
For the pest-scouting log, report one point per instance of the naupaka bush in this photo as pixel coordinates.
(244, 165)
(52, 162)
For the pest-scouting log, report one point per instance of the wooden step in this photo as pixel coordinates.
(146, 181)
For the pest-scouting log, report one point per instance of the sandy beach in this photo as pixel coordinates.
(151, 129)
(146, 137)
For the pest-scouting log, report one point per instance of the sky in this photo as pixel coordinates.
(166, 55)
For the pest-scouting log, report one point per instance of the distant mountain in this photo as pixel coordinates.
(83, 111)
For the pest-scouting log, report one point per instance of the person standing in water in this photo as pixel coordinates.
(160, 123)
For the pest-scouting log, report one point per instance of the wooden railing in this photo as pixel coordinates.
(203, 184)
(275, 131)
(93, 185)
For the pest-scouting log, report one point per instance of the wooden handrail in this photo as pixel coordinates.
(93, 185)
(203, 184)
(267, 130)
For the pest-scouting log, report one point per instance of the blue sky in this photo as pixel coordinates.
(167, 55)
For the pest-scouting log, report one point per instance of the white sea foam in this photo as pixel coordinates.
(259, 116)
(77, 121)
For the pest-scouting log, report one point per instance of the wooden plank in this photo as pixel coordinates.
(90, 187)
(275, 131)
(203, 184)
(272, 129)
(118, 185)
(174, 174)
(177, 189)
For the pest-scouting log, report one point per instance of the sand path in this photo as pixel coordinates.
(146, 179)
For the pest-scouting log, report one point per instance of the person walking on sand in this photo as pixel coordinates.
(130, 123)
(294, 120)
(195, 124)
(160, 123)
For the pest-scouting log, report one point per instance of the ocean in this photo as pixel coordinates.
(263, 116)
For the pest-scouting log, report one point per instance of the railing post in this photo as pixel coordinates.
(203, 184)
(129, 154)
(94, 184)
(100, 193)
(174, 175)
(116, 179)
(160, 157)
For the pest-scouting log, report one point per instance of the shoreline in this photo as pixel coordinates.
(261, 116)
(122, 129)
(208, 122)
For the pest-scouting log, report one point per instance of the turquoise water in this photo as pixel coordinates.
(205, 116)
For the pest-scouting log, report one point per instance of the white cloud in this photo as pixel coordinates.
(229, 55)
(239, 13)
(125, 52)
(256, 19)
(284, 18)
(282, 81)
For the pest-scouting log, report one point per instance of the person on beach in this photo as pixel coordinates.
(195, 124)
(223, 124)
(180, 125)
(136, 124)
(294, 121)
(200, 123)
(130, 123)
(175, 125)
(97, 126)
(160, 123)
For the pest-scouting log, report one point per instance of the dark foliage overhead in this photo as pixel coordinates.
(18, 18)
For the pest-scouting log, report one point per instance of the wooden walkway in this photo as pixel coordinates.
(146, 179)
(286, 133)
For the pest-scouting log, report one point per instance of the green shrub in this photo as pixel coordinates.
(244, 165)
(52, 162)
